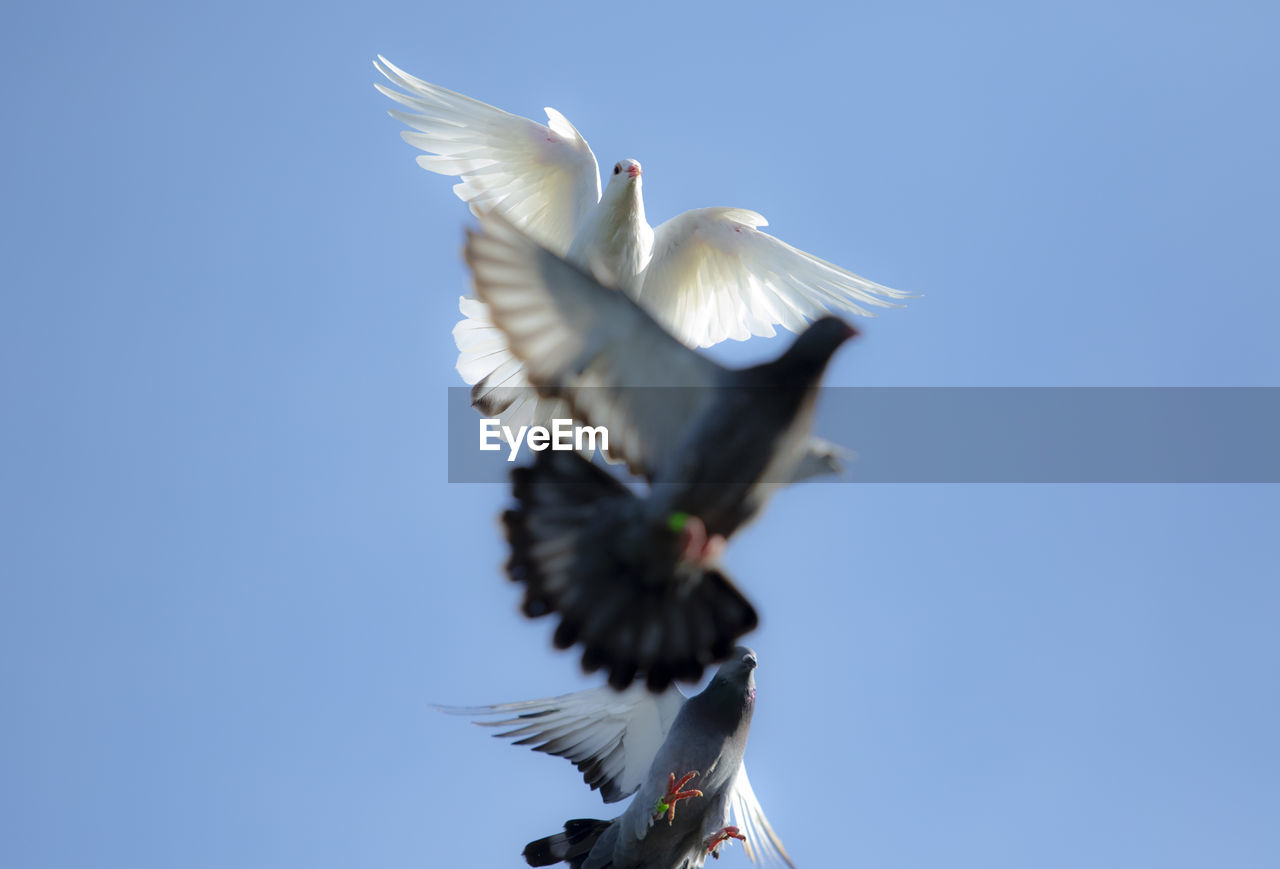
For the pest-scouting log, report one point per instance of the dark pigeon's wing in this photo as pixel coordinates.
(591, 345)
(611, 736)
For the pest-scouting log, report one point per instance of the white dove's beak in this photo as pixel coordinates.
(633, 170)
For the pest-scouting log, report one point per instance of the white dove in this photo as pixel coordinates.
(707, 275)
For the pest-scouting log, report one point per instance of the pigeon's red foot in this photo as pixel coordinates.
(716, 544)
(695, 545)
(717, 839)
(666, 804)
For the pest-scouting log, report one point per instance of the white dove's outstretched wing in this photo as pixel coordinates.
(499, 388)
(591, 346)
(762, 844)
(714, 275)
(544, 178)
(611, 736)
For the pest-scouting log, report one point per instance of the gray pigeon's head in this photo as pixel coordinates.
(729, 698)
(739, 671)
(822, 338)
(807, 357)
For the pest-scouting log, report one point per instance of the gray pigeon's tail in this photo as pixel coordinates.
(579, 545)
(572, 846)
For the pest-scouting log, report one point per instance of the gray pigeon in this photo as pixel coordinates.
(682, 758)
(635, 578)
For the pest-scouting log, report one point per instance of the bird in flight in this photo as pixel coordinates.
(706, 275)
(635, 578)
(681, 757)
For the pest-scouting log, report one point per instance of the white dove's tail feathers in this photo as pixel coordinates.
(573, 846)
(580, 546)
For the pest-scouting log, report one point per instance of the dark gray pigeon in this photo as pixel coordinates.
(682, 758)
(635, 579)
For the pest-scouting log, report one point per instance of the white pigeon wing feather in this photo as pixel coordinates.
(591, 346)
(500, 388)
(612, 736)
(544, 178)
(482, 348)
(762, 844)
(714, 275)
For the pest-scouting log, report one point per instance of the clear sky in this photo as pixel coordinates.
(233, 577)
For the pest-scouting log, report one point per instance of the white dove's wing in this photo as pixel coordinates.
(611, 736)
(591, 346)
(545, 179)
(714, 275)
(499, 388)
(762, 844)
(482, 348)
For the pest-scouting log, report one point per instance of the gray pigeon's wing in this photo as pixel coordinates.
(762, 845)
(612, 736)
(590, 345)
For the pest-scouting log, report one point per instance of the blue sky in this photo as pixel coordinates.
(234, 575)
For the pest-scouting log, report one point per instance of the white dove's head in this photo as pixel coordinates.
(626, 170)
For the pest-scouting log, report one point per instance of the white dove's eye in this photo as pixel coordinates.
(617, 167)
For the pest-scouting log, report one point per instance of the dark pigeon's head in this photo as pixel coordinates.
(808, 355)
(822, 338)
(729, 699)
(739, 670)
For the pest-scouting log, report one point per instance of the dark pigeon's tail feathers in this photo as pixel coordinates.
(579, 546)
(572, 846)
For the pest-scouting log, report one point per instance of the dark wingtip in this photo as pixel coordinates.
(483, 400)
(539, 853)
(573, 846)
(566, 634)
(622, 674)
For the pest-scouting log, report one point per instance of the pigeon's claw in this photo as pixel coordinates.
(695, 544)
(717, 839)
(666, 804)
(716, 544)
